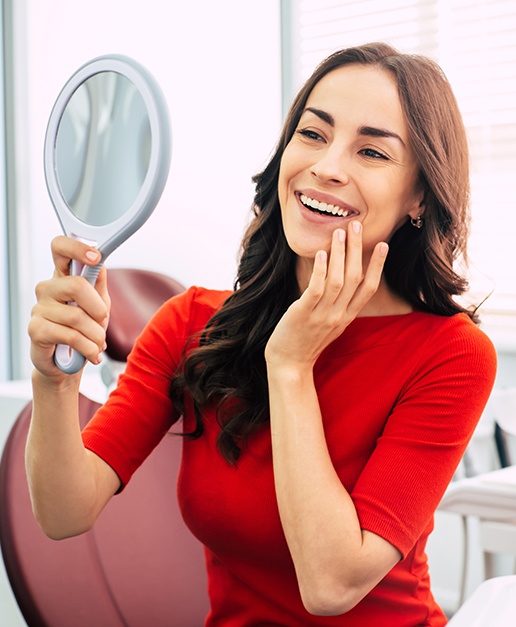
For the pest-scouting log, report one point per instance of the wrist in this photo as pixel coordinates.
(288, 372)
(58, 383)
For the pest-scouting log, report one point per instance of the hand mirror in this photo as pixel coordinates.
(107, 157)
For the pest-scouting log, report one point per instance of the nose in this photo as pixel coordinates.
(331, 167)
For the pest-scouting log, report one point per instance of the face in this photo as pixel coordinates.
(349, 159)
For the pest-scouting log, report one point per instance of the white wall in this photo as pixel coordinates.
(219, 66)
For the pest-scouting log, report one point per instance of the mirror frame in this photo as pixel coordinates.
(109, 236)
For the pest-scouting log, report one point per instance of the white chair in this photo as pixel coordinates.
(503, 405)
(490, 496)
(493, 604)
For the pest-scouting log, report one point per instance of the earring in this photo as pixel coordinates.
(417, 222)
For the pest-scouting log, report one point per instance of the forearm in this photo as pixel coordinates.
(336, 562)
(61, 472)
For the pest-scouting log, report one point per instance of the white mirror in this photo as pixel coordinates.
(107, 158)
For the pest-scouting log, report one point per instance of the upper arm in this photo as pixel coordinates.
(106, 480)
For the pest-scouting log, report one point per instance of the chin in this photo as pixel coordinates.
(307, 252)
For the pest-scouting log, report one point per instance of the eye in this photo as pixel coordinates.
(309, 134)
(373, 154)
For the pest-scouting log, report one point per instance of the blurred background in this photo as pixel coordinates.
(229, 70)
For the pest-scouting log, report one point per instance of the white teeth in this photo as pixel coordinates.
(323, 206)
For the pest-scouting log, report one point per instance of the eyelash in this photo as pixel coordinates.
(368, 152)
(373, 154)
(305, 132)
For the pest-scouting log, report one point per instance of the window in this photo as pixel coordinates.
(473, 41)
(4, 276)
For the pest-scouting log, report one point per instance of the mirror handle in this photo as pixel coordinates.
(67, 359)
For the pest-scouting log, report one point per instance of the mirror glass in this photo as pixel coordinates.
(102, 148)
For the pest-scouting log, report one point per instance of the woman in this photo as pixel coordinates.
(327, 401)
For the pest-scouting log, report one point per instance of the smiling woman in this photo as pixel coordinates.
(327, 401)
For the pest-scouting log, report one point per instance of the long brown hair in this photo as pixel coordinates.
(227, 370)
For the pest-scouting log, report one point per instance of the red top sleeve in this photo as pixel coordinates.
(139, 411)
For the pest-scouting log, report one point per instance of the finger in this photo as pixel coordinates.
(72, 317)
(56, 323)
(315, 290)
(336, 266)
(45, 334)
(353, 273)
(64, 249)
(73, 289)
(372, 278)
(101, 287)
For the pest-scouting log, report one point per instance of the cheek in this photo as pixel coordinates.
(393, 197)
(386, 214)
(293, 161)
(284, 179)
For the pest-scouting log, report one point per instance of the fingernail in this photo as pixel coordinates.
(341, 234)
(357, 226)
(92, 255)
(384, 248)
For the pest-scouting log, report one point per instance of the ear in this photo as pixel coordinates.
(418, 206)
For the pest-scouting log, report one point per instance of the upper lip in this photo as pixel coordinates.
(327, 198)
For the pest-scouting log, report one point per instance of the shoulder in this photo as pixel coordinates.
(193, 308)
(419, 332)
(457, 331)
(196, 297)
(428, 346)
(174, 324)
(455, 345)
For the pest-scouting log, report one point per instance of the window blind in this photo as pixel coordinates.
(474, 41)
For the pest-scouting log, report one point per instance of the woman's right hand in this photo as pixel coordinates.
(53, 321)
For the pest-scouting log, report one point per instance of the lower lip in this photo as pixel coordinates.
(319, 218)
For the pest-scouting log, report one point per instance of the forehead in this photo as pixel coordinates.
(362, 94)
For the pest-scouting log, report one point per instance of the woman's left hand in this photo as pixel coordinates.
(337, 292)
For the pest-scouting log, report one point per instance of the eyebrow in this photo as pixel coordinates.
(369, 131)
(325, 117)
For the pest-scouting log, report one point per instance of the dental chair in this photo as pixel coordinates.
(490, 497)
(493, 604)
(139, 566)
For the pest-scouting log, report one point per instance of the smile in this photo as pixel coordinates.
(323, 207)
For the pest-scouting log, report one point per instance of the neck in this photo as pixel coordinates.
(385, 303)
